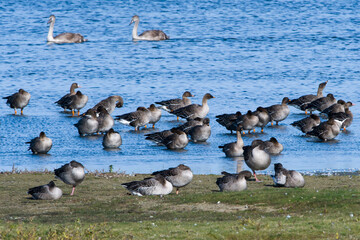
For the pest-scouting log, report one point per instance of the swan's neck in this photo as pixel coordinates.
(134, 31)
(50, 36)
(239, 138)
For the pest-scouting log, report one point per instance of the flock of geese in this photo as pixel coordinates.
(257, 156)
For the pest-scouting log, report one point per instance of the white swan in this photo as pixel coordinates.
(63, 37)
(150, 35)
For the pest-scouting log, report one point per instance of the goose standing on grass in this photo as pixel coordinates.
(105, 120)
(88, 124)
(179, 176)
(112, 139)
(173, 104)
(194, 110)
(62, 100)
(327, 130)
(110, 103)
(149, 35)
(307, 124)
(287, 178)
(264, 117)
(300, 102)
(201, 133)
(46, 192)
(229, 120)
(256, 157)
(233, 182)
(279, 112)
(18, 100)
(139, 118)
(155, 114)
(234, 149)
(75, 102)
(41, 144)
(63, 37)
(71, 173)
(156, 185)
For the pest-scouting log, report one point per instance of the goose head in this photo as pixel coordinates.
(285, 100)
(42, 135)
(206, 121)
(188, 94)
(208, 96)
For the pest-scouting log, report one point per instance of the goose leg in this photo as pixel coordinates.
(177, 191)
(272, 123)
(262, 130)
(153, 125)
(73, 190)
(177, 118)
(254, 130)
(22, 111)
(256, 179)
(78, 112)
(305, 112)
(15, 111)
(72, 112)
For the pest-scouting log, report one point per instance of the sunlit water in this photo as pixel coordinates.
(245, 53)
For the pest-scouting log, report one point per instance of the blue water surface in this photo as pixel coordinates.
(245, 53)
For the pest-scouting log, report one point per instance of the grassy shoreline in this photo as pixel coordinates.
(327, 207)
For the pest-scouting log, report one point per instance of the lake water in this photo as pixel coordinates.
(245, 53)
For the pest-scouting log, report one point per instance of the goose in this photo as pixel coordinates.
(340, 106)
(139, 118)
(158, 136)
(234, 149)
(306, 99)
(173, 104)
(112, 139)
(177, 140)
(248, 121)
(105, 120)
(46, 192)
(287, 178)
(256, 157)
(228, 120)
(186, 127)
(307, 124)
(179, 176)
(201, 133)
(327, 130)
(62, 100)
(71, 173)
(41, 144)
(156, 185)
(110, 103)
(264, 117)
(194, 110)
(321, 104)
(155, 114)
(75, 102)
(18, 100)
(150, 35)
(233, 182)
(88, 124)
(63, 37)
(273, 147)
(279, 112)
(346, 117)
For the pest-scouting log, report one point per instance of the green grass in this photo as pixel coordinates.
(327, 208)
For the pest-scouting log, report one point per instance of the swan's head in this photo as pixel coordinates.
(135, 18)
(51, 19)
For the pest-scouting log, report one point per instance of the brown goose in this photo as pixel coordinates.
(139, 118)
(194, 110)
(307, 124)
(279, 112)
(179, 176)
(62, 100)
(46, 192)
(248, 121)
(177, 140)
(158, 136)
(256, 157)
(306, 99)
(186, 127)
(63, 37)
(173, 104)
(110, 103)
(156, 185)
(105, 120)
(234, 149)
(112, 139)
(321, 104)
(155, 115)
(88, 124)
(71, 173)
(287, 178)
(18, 100)
(149, 35)
(340, 106)
(327, 130)
(233, 182)
(346, 118)
(264, 117)
(201, 133)
(228, 120)
(41, 144)
(75, 102)
(273, 147)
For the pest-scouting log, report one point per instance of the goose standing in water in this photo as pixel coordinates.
(264, 117)
(75, 102)
(234, 149)
(233, 182)
(46, 192)
(347, 117)
(150, 35)
(307, 124)
(112, 139)
(139, 118)
(273, 147)
(327, 130)
(248, 122)
(186, 127)
(63, 37)
(110, 103)
(157, 185)
(65, 97)
(18, 100)
(194, 110)
(287, 178)
(201, 133)
(105, 120)
(71, 173)
(155, 114)
(173, 104)
(88, 124)
(229, 120)
(179, 176)
(41, 144)
(321, 104)
(279, 112)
